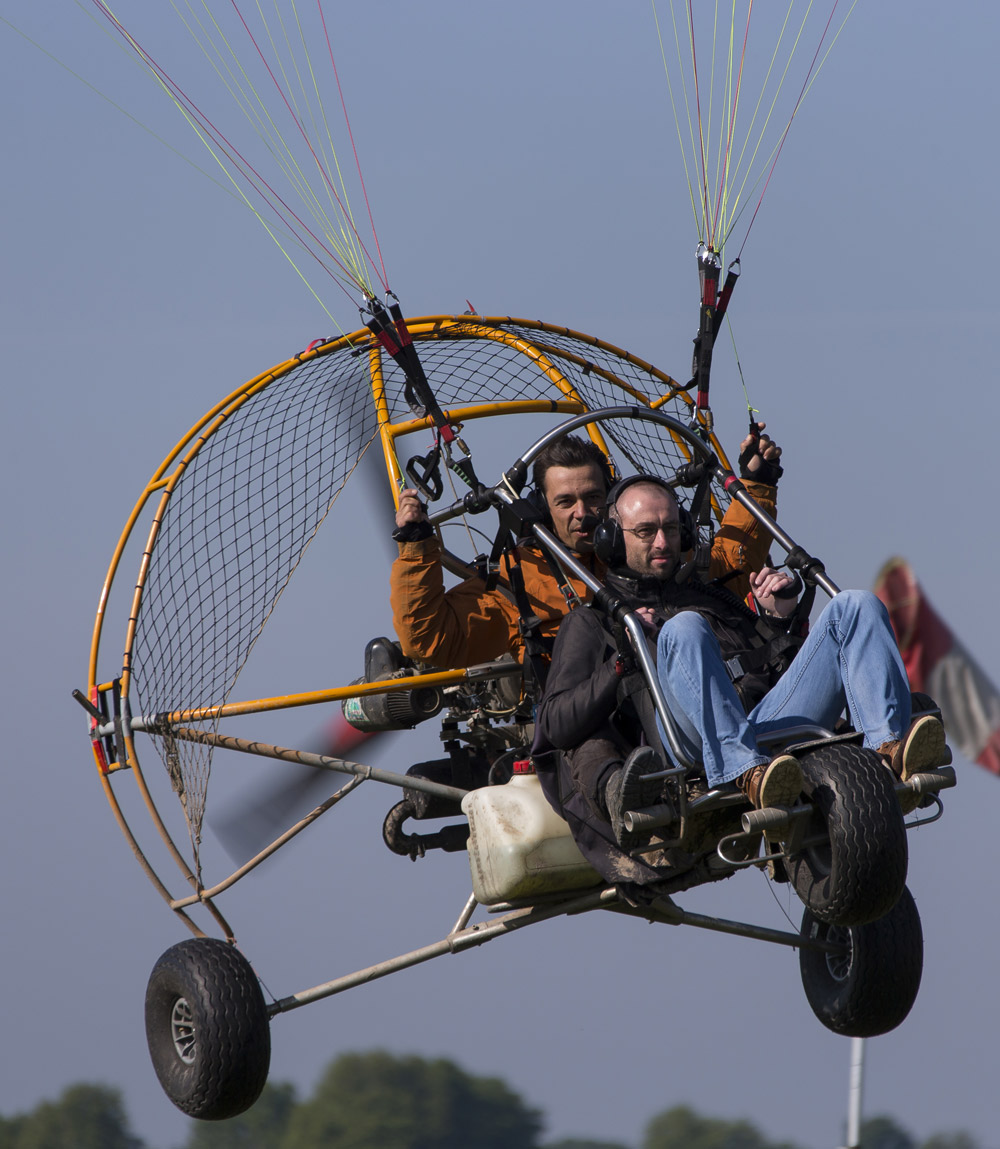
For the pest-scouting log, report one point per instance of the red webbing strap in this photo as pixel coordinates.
(709, 273)
(732, 275)
(394, 336)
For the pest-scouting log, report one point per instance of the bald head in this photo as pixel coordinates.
(650, 520)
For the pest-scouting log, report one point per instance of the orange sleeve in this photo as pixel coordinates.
(458, 627)
(741, 543)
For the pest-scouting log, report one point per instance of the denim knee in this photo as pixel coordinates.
(858, 604)
(684, 630)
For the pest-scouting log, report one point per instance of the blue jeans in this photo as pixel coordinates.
(850, 659)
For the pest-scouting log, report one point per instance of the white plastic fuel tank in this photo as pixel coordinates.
(519, 847)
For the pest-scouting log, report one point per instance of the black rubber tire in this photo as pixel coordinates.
(871, 989)
(859, 870)
(207, 1029)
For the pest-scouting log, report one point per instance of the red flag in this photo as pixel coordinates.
(938, 664)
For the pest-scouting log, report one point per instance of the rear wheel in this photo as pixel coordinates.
(852, 867)
(207, 1029)
(870, 987)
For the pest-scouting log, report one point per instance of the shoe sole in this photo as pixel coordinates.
(925, 747)
(637, 794)
(782, 783)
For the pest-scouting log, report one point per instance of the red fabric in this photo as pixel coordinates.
(990, 757)
(922, 637)
(937, 663)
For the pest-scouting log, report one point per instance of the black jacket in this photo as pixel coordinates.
(591, 714)
(583, 689)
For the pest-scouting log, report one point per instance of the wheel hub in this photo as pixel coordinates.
(840, 964)
(183, 1032)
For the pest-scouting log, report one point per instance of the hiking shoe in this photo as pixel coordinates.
(923, 748)
(628, 789)
(774, 783)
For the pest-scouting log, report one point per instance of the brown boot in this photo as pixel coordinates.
(774, 783)
(923, 748)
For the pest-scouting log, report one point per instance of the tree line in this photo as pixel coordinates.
(379, 1100)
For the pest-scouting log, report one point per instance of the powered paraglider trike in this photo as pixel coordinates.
(217, 534)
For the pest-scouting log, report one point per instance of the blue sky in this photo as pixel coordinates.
(524, 158)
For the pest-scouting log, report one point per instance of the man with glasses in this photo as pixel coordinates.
(728, 674)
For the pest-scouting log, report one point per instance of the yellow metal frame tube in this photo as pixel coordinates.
(332, 694)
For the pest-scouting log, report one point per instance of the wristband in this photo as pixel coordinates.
(413, 532)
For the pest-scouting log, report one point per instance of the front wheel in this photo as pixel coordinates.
(207, 1029)
(852, 867)
(871, 986)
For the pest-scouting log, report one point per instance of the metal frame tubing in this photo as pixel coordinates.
(478, 934)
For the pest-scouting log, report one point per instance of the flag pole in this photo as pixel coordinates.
(855, 1091)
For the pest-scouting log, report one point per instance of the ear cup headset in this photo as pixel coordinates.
(609, 538)
(540, 504)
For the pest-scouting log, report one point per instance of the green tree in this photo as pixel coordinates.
(83, 1117)
(583, 1143)
(10, 1129)
(263, 1126)
(950, 1141)
(682, 1128)
(379, 1101)
(884, 1133)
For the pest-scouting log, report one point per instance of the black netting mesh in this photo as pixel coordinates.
(232, 532)
(254, 492)
(467, 363)
(482, 361)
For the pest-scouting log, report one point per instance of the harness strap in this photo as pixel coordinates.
(701, 520)
(570, 597)
(535, 649)
(750, 661)
(535, 666)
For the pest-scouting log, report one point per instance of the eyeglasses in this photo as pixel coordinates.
(648, 531)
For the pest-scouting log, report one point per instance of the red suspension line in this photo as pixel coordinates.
(784, 134)
(357, 162)
(242, 165)
(724, 175)
(701, 135)
(308, 143)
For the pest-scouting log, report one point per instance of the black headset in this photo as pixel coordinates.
(538, 503)
(609, 538)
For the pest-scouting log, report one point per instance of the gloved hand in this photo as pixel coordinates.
(759, 458)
